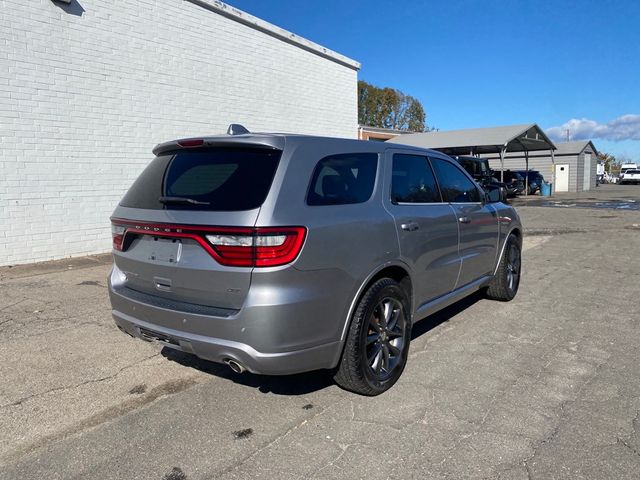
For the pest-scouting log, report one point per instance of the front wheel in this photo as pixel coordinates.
(506, 281)
(377, 345)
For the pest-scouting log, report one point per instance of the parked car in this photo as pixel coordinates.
(279, 253)
(513, 181)
(628, 166)
(535, 180)
(630, 176)
(479, 169)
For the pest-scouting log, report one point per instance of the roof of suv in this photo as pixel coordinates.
(274, 141)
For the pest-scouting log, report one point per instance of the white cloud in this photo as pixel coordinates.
(626, 127)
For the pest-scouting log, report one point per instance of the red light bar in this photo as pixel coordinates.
(190, 143)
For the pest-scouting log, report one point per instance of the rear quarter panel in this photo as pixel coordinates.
(344, 244)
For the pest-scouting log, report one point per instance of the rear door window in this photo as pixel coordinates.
(454, 184)
(214, 179)
(413, 181)
(343, 179)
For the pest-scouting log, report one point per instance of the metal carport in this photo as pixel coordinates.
(479, 141)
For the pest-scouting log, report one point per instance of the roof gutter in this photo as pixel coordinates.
(272, 30)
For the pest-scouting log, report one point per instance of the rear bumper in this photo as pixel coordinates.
(275, 338)
(219, 350)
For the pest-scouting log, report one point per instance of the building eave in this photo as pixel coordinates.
(275, 31)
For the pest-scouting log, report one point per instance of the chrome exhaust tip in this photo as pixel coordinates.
(235, 366)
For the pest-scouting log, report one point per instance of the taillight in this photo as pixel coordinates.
(259, 247)
(117, 234)
(229, 246)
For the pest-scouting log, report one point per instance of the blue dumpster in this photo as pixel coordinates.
(545, 189)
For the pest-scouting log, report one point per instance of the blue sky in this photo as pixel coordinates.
(572, 64)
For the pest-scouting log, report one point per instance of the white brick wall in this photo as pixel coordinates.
(84, 98)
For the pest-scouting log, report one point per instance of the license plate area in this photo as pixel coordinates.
(165, 250)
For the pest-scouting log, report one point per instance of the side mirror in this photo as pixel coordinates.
(494, 194)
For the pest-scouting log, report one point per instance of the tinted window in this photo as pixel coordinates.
(468, 165)
(413, 180)
(454, 184)
(217, 179)
(512, 176)
(474, 166)
(343, 179)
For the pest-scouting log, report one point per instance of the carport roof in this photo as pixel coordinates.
(516, 138)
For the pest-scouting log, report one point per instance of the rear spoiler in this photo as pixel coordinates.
(270, 142)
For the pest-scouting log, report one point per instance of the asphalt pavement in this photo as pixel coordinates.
(546, 386)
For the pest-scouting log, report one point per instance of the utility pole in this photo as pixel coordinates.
(568, 136)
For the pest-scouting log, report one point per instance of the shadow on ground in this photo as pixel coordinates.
(304, 383)
(299, 384)
(432, 321)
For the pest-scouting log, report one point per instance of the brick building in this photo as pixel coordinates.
(87, 88)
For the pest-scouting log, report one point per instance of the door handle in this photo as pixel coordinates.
(410, 226)
(464, 220)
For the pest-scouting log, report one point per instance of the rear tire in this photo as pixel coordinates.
(506, 281)
(377, 345)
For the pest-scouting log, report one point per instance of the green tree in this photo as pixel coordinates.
(389, 108)
(415, 116)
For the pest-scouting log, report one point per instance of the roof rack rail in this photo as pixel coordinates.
(236, 129)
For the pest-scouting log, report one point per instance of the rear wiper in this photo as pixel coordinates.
(182, 200)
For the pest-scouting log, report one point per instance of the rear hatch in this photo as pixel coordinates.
(185, 229)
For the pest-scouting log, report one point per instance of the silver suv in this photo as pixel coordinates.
(279, 253)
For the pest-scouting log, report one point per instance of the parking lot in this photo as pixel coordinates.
(545, 386)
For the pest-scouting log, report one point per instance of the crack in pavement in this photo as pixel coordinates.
(635, 426)
(12, 305)
(71, 387)
(273, 441)
(168, 388)
(619, 441)
(331, 463)
(562, 418)
(552, 350)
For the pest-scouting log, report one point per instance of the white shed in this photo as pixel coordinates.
(575, 165)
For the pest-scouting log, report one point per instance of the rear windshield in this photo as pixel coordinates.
(219, 179)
